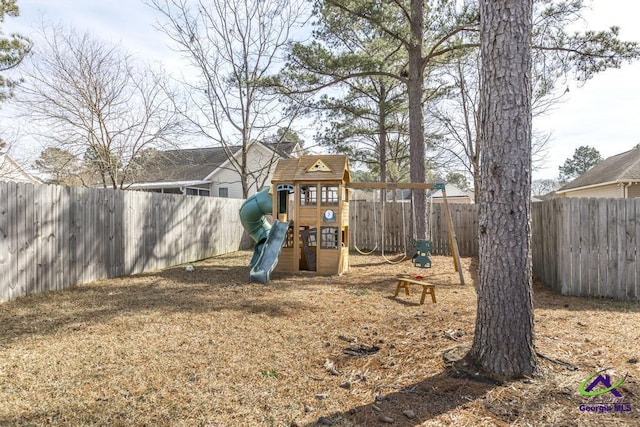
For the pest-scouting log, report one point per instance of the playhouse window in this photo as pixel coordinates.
(329, 195)
(307, 237)
(308, 195)
(329, 237)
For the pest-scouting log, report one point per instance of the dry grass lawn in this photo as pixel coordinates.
(206, 348)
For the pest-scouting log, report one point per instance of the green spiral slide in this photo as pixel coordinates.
(268, 238)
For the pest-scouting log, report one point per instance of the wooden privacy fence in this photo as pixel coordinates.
(588, 247)
(53, 237)
(582, 247)
(367, 233)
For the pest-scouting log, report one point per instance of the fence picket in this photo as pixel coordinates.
(14, 211)
(40, 202)
(620, 230)
(5, 242)
(594, 249)
(630, 250)
(22, 241)
(612, 242)
(636, 291)
(63, 247)
(603, 247)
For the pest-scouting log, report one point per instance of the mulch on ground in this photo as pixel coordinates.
(206, 348)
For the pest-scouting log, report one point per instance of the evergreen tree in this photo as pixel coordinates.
(13, 49)
(583, 159)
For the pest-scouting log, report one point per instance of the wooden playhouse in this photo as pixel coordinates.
(311, 192)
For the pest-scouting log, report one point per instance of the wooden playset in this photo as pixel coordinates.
(311, 195)
(311, 192)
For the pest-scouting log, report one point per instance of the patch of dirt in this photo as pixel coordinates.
(206, 348)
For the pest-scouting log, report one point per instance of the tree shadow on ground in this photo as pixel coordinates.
(209, 290)
(445, 278)
(548, 299)
(414, 404)
(397, 300)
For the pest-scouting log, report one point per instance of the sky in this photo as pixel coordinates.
(602, 114)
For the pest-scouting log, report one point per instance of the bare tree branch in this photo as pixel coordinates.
(96, 103)
(235, 47)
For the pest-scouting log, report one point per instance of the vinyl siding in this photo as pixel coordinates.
(258, 157)
(605, 191)
(633, 190)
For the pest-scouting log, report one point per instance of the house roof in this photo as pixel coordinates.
(313, 168)
(452, 192)
(11, 170)
(196, 164)
(623, 167)
(284, 149)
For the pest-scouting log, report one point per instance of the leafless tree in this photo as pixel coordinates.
(234, 47)
(91, 99)
(455, 119)
(542, 187)
(3, 159)
(557, 56)
(61, 167)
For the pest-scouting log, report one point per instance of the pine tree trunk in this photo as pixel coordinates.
(382, 133)
(503, 342)
(415, 88)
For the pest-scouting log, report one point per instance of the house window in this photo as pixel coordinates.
(329, 195)
(328, 237)
(223, 192)
(308, 195)
(197, 192)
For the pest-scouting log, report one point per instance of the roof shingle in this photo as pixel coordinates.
(195, 164)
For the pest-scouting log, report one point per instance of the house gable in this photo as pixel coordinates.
(211, 169)
(454, 195)
(259, 158)
(11, 170)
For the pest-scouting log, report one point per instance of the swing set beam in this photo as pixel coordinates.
(453, 240)
(394, 185)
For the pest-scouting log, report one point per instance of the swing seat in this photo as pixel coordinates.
(423, 250)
